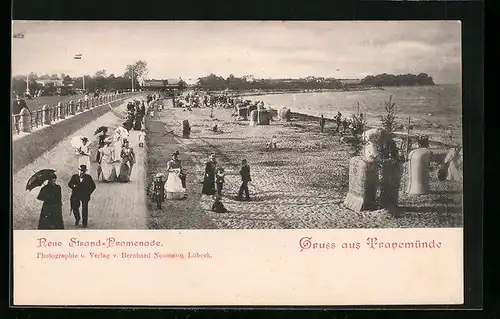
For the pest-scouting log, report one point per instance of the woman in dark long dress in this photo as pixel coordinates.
(101, 142)
(128, 160)
(209, 179)
(138, 121)
(51, 214)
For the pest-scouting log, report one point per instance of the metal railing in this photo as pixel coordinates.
(49, 114)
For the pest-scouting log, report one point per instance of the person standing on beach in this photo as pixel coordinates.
(245, 178)
(338, 121)
(219, 180)
(322, 122)
(345, 125)
(209, 179)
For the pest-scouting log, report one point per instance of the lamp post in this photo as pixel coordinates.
(132, 79)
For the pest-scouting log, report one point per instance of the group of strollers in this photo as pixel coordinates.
(136, 112)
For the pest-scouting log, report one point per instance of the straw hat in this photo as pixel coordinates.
(159, 175)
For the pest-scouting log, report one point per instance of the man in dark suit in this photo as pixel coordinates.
(82, 186)
(18, 105)
(245, 178)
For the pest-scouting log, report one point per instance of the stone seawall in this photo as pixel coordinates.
(28, 148)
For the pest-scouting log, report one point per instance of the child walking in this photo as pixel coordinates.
(142, 136)
(219, 180)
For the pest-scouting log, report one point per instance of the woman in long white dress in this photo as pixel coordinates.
(107, 158)
(453, 161)
(83, 153)
(173, 186)
(120, 135)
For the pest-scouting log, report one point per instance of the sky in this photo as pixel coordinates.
(264, 49)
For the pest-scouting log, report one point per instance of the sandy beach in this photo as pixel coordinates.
(301, 184)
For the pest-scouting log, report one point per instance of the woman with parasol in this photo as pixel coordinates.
(107, 158)
(128, 159)
(102, 136)
(50, 195)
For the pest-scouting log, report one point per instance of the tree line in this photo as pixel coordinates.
(214, 81)
(137, 71)
(385, 79)
(101, 80)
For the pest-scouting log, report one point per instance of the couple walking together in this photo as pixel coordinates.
(107, 159)
(82, 186)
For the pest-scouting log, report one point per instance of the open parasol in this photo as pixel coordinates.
(76, 141)
(39, 178)
(101, 129)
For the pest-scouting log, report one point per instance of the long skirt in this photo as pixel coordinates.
(454, 173)
(138, 123)
(84, 160)
(108, 172)
(125, 171)
(208, 185)
(51, 217)
(173, 186)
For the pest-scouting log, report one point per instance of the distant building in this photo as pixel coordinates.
(175, 83)
(153, 84)
(54, 83)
